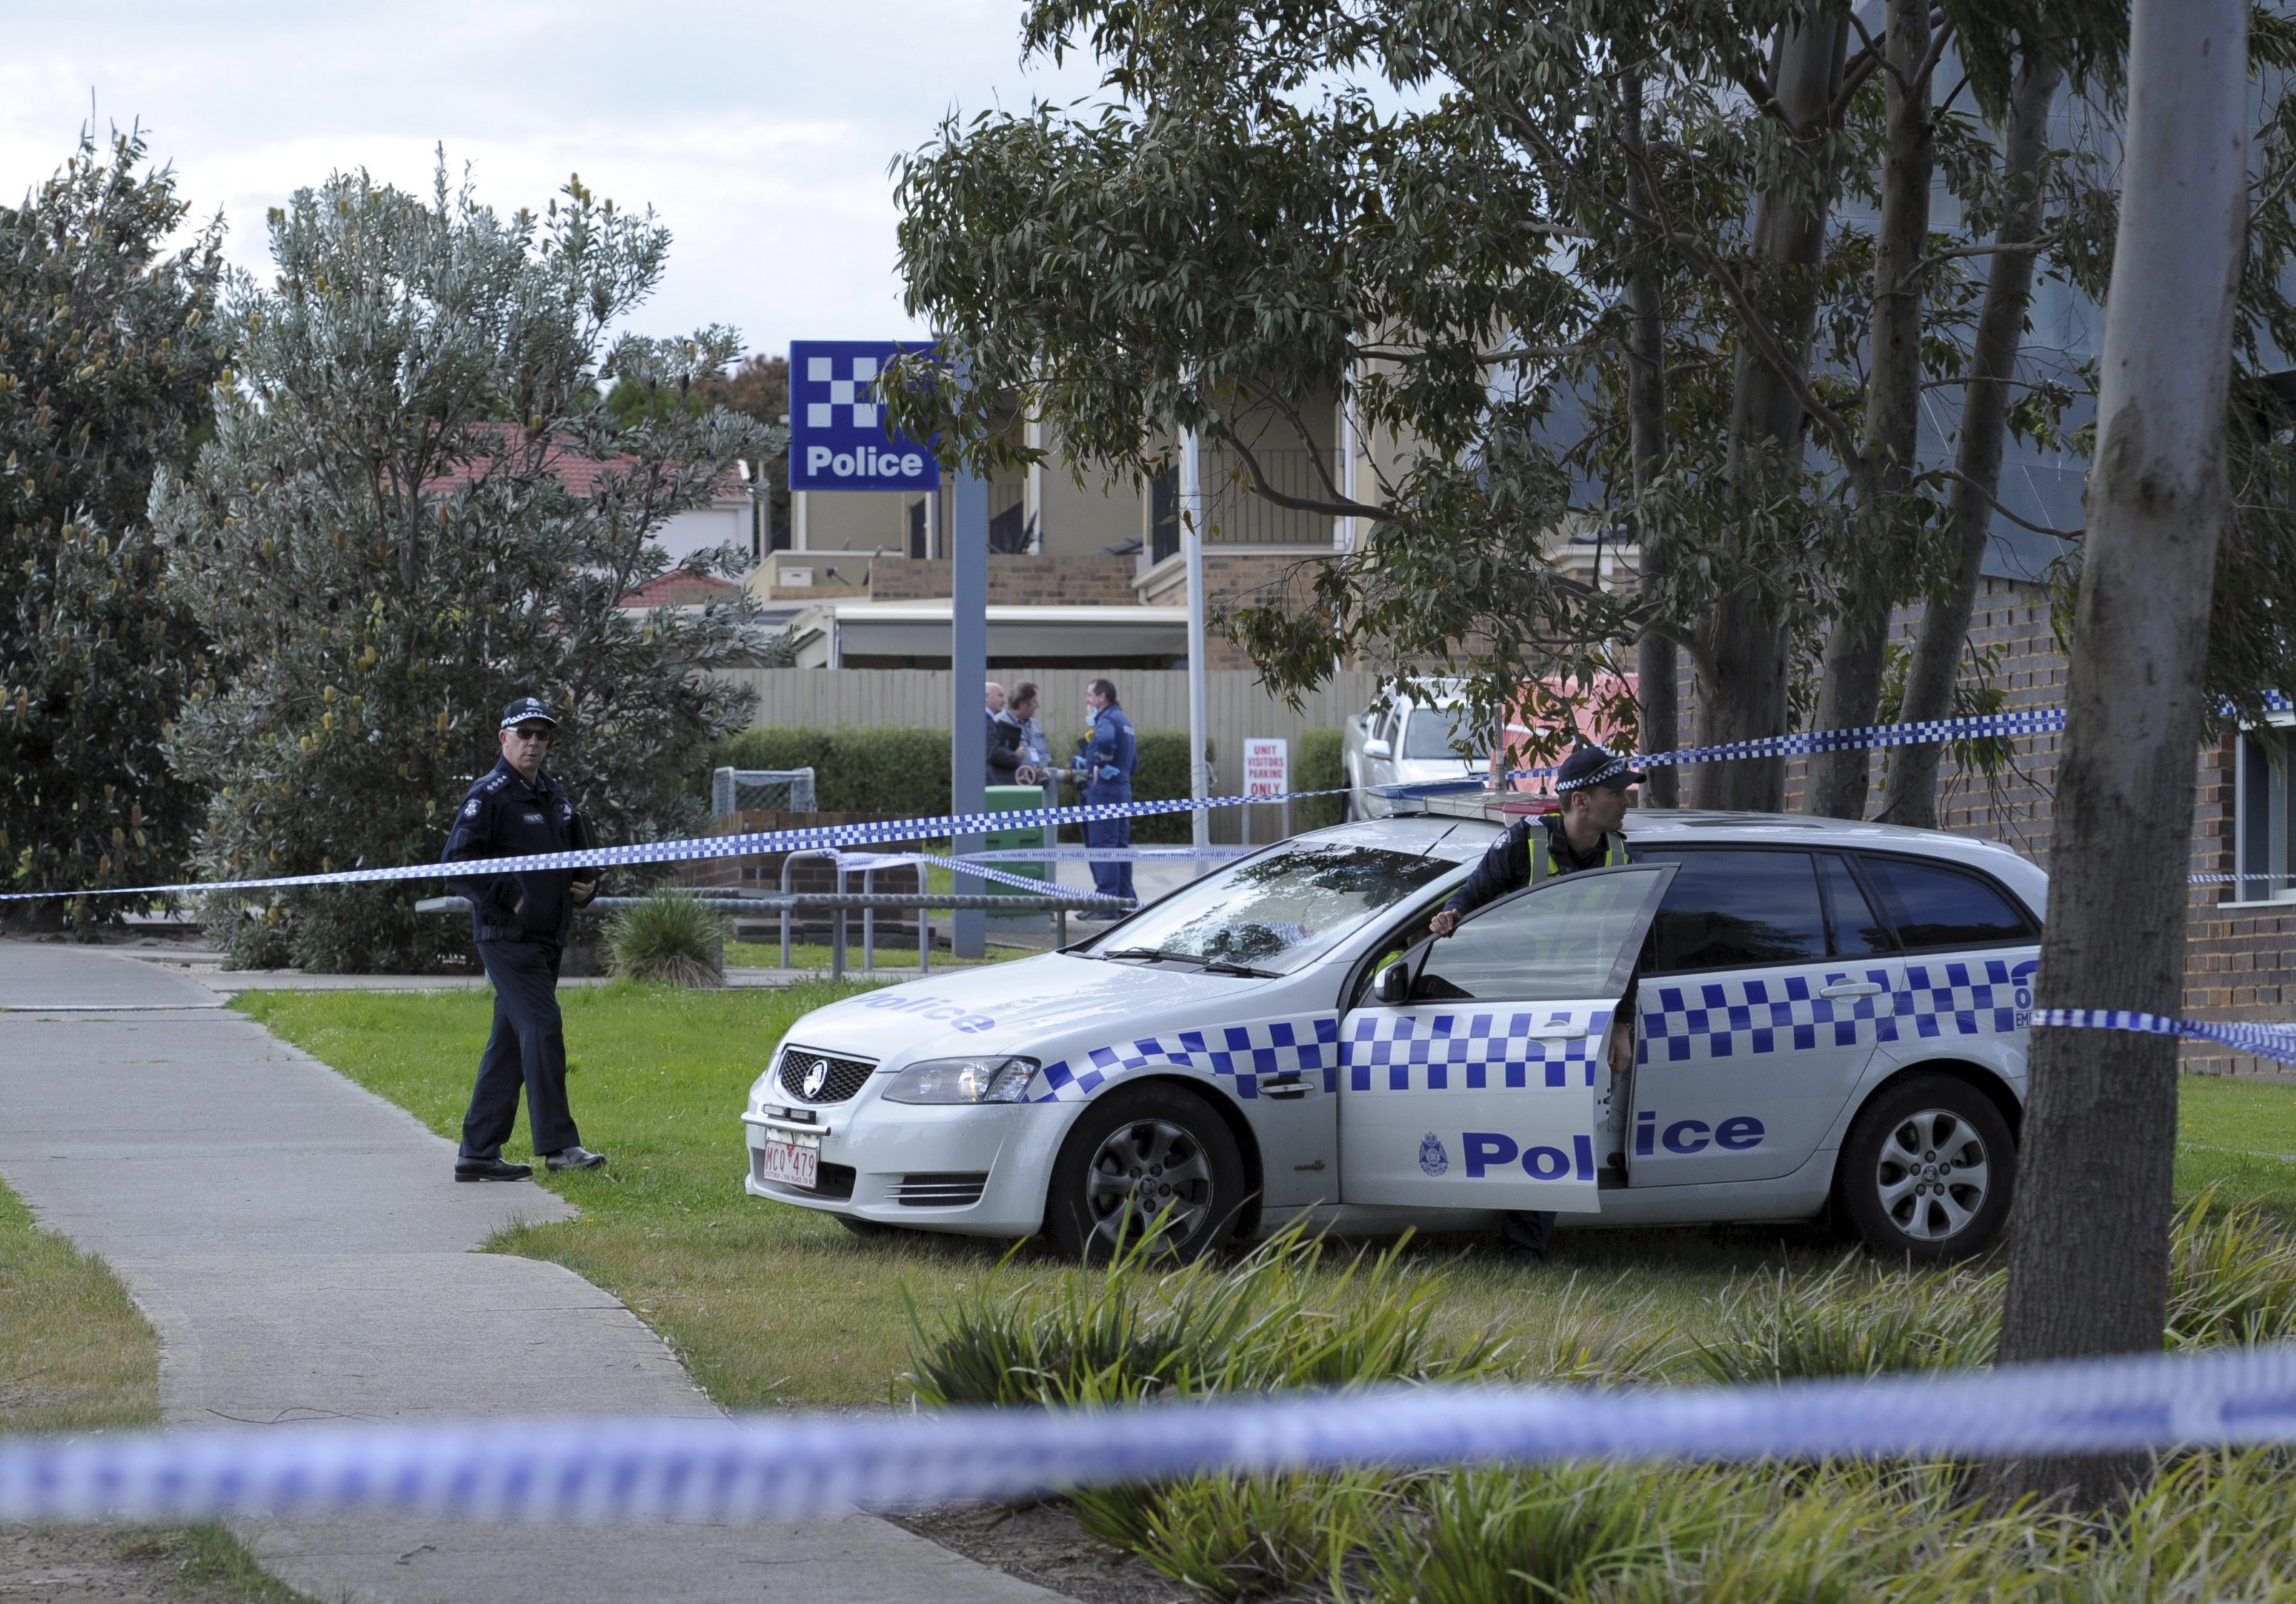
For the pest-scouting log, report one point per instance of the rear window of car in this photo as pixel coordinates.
(1434, 732)
(1737, 910)
(1936, 905)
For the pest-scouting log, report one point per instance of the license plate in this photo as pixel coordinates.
(792, 1161)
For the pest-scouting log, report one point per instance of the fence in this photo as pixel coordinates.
(1235, 706)
(733, 790)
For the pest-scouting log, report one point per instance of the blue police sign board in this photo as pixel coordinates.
(838, 438)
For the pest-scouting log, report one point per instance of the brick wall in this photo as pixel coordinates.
(1013, 581)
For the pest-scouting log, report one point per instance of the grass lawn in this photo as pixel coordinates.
(773, 1307)
(76, 1355)
(893, 964)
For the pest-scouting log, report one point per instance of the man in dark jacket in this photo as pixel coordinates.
(521, 923)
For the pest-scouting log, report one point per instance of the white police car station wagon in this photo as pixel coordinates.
(1828, 1016)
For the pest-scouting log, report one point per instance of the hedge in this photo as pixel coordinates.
(1320, 768)
(905, 772)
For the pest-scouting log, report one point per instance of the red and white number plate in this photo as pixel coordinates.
(793, 1161)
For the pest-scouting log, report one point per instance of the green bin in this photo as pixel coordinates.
(1016, 798)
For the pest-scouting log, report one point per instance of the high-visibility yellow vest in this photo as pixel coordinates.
(1546, 864)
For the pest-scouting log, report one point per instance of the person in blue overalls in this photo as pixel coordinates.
(1105, 769)
(520, 922)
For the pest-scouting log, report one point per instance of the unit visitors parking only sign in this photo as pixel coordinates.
(1266, 767)
(838, 438)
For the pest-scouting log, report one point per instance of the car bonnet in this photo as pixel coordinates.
(1035, 1006)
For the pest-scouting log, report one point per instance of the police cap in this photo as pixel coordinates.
(1595, 765)
(526, 708)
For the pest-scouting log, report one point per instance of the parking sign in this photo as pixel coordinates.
(1266, 767)
(838, 438)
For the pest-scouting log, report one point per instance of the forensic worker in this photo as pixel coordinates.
(1105, 769)
(521, 923)
(1596, 788)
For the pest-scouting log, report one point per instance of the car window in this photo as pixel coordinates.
(1936, 905)
(1737, 910)
(1280, 910)
(1858, 931)
(1431, 731)
(1558, 944)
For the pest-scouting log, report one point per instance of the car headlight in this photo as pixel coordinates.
(964, 1080)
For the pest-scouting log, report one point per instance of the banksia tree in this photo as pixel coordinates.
(382, 542)
(108, 350)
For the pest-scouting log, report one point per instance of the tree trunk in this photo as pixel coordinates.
(1744, 697)
(1859, 646)
(1655, 670)
(1911, 798)
(2088, 1264)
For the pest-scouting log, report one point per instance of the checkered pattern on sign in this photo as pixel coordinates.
(826, 391)
(1242, 1054)
(1396, 1049)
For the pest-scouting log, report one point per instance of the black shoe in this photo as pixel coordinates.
(490, 1169)
(574, 1158)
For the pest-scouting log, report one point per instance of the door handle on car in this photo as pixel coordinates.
(1852, 989)
(1285, 1087)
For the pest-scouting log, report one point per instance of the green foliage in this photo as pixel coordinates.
(1246, 1537)
(670, 938)
(109, 345)
(1320, 768)
(1858, 1319)
(905, 771)
(381, 545)
(1263, 1323)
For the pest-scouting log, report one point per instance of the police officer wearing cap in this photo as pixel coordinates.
(521, 923)
(1595, 788)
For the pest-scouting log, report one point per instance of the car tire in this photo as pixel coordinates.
(1134, 1153)
(1927, 1171)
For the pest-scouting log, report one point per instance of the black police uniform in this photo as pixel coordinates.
(521, 923)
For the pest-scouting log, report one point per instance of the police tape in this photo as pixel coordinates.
(777, 1468)
(2274, 1041)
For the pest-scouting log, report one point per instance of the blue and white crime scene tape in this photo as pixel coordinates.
(777, 1468)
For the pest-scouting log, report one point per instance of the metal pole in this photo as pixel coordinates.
(868, 922)
(924, 934)
(968, 659)
(836, 942)
(1192, 541)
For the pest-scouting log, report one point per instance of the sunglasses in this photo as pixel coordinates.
(525, 734)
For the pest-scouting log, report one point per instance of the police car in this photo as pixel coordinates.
(1830, 1019)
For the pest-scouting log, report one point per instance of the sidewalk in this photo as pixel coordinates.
(305, 1255)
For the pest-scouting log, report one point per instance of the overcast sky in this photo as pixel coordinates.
(759, 131)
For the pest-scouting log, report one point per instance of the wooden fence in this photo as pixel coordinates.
(1236, 706)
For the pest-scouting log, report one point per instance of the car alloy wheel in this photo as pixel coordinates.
(1148, 1163)
(1928, 1170)
(1933, 1175)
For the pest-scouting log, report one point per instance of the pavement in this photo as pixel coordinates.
(305, 1255)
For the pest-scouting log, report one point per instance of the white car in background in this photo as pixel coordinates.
(1410, 743)
(1831, 1020)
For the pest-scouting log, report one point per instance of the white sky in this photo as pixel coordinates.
(760, 132)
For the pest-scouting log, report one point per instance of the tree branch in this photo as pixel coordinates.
(2021, 522)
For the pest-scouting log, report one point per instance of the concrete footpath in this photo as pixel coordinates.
(306, 1256)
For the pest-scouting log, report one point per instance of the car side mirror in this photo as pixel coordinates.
(1393, 985)
(1378, 749)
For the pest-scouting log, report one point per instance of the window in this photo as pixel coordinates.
(2263, 817)
(1279, 910)
(1738, 910)
(1563, 942)
(1935, 905)
(1431, 731)
(1858, 931)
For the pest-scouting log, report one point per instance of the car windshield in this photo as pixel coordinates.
(1278, 913)
(1433, 730)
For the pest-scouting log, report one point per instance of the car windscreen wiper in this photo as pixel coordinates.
(1150, 954)
(1216, 966)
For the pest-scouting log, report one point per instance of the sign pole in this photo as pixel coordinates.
(968, 662)
(1192, 541)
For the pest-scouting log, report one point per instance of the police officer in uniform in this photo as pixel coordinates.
(1595, 787)
(1104, 768)
(521, 923)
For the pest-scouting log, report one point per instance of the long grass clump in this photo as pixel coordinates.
(668, 937)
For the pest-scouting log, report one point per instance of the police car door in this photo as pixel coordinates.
(1769, 981)
(1480, 1091)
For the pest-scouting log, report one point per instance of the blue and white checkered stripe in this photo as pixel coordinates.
(1748, 1018)
(1516, 1047)
(1242, 1055)
(1989, 996)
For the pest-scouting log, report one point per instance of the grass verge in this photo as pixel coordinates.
(893, 964)
(76, 1355)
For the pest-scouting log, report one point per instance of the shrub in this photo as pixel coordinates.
(1319, 768)
(2232, 1277)
(1248, 1536)
(668, 936)
(1857, 1319)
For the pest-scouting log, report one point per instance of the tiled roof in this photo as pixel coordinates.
(681, 590)
(579, 474)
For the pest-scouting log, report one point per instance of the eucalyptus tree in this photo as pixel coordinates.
(108, 348)
(414, 509)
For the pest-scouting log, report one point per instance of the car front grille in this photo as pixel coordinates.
(841, 1078)
(956, 1189)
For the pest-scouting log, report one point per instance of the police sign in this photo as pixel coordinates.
(838, 436)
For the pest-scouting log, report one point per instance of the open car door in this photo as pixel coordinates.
(1480, 1086)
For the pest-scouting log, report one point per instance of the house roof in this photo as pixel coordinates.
(578, 473)
(681, 590)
